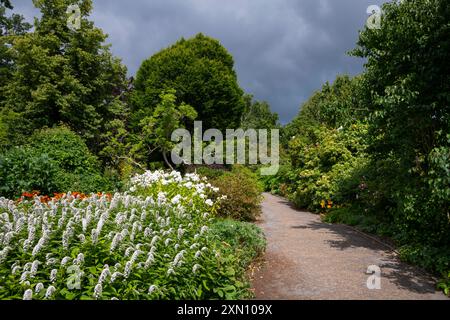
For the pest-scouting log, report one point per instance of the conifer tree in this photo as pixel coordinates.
(62, 75)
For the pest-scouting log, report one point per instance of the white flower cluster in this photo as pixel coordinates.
(162, 229)
(196, 186)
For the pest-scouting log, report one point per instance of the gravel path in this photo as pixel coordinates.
(308, 259)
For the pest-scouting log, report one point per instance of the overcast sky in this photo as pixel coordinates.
(284, 50)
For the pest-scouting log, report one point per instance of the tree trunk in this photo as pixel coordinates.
(167, 161)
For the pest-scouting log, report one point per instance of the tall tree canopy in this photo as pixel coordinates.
(10, 26)
(13, 24)
(257, 115)
(408, 72)
(62, 76)
(201, 71)
(408, 78)
(336, 105)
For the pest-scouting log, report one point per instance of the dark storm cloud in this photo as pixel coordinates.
(283, 49)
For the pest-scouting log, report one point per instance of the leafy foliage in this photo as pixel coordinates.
(11, 26)
(26, 169)
(243, 194)
(338, 104)
(257, 115)
(408, 75)
(246, 240)
(156, 130)
(326, 158)
(210, 173)
(56, 160)
(281, 183)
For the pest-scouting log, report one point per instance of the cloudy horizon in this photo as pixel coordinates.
(283, 50)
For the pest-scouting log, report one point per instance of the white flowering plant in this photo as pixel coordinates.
(151, 242)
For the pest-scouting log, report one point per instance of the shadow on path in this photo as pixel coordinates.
(401, 274)
(309, 259)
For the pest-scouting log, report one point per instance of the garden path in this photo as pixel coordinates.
(307, 259)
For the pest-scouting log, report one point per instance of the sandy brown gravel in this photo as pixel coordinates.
(307, 259)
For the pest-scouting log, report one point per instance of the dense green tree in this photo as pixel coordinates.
(57, 160)
(257, 115)
(201, 71)
(63, 76)
(336, 105)
(11, 26)
(408, 75)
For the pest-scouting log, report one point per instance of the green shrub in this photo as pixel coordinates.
(57, 160)
(210, 173)
(67, 148)
(25, 169)
(281, 183)
(322, 161)
(251, 174)
(246, 240)
(243, 192)
(444, 284)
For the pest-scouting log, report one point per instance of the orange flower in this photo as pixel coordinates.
(58, 196)
(329, 204)
(27, 195)
(45, 199)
